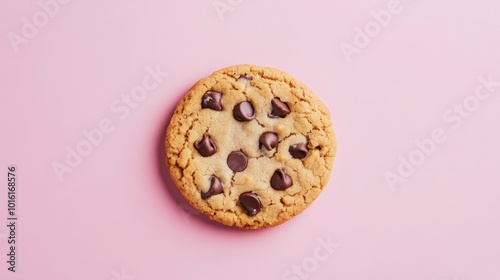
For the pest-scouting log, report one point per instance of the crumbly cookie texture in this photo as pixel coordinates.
(250, 146)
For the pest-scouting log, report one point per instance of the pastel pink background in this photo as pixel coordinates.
(119, 210)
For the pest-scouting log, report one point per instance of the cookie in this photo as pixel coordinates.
(250, 146)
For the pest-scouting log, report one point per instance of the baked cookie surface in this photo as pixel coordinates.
(250, 146)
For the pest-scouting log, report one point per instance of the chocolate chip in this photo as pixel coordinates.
(244, 111)
(211, 100)
(269, 140)
(206, 146)
(298, 150)
(251, 203)
(246, 77)
(280, 180)
(280, 109)
(215, 188)
(237, 161)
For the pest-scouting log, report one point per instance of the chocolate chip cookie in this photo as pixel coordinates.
(250, 146)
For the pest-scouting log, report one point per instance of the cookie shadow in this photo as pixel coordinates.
(188, 213)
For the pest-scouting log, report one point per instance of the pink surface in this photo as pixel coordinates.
(418, 74)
